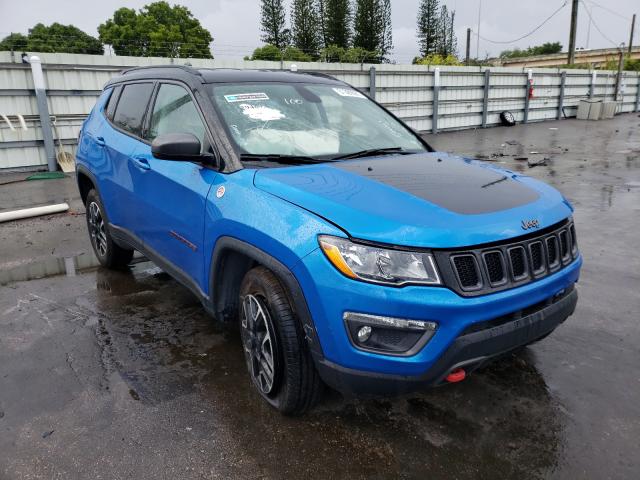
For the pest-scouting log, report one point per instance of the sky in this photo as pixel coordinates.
(235, 26)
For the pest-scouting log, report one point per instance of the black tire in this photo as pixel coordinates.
(507, 118)
(108, 253)
(268, 321)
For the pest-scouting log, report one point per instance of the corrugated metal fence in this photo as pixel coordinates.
(428, 98)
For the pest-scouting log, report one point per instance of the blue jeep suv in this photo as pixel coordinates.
(348, 251)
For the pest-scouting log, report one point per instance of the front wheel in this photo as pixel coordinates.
(277, 355)
(108, 253)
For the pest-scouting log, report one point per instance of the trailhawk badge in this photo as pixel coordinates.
(528, 224)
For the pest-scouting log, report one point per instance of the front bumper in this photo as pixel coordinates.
(329, 295)
(472, 349)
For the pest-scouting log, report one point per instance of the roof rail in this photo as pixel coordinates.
(186, 68)
(317, 74)
(300, 72)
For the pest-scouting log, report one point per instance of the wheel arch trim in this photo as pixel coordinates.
(219, 297)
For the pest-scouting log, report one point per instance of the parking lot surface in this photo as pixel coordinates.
(122, 375)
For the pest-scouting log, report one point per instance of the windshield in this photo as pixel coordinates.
(310, 120)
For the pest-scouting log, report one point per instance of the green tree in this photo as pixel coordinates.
(365, 24)
(547, 48)
(62, 38)
(56, 38)
(305, 32)
(436, 59)
(372, 26)
(336, 22)
(14, 41)
(156, 30)
(446, 41)
(273, 53)
(386, 37)
(333, 54)
(274, 23)
(428, 27)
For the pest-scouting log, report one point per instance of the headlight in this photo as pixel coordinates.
(379, 265)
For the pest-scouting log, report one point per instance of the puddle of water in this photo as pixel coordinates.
(50, 267)
(53, 266)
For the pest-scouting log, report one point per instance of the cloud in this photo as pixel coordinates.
(235, 24)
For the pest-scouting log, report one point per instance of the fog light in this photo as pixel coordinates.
(364, 333)
(389, 335)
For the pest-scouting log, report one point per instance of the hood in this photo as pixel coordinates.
(432, 200)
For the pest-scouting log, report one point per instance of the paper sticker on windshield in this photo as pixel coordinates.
(246, 97)
(348, 92)
(260, 112)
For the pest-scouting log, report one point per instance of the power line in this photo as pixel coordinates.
(613, 12)
(597, 27)
(499, 42)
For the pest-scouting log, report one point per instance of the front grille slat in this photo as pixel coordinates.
(467, 271)
(517, 259)
(552, 252)
(537, 257)
(494, 265)
(509, 264)
(565, 253)
(574, 241)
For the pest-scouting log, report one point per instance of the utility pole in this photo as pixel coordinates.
(589, 24)
(572, 33)
(633, 26)
(619, 74)
(478, 32)
(466, 61)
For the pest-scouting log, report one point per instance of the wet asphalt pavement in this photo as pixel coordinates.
(122, 374)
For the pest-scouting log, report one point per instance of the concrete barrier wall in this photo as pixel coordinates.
(73, 83)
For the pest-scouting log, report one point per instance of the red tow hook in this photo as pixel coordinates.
(456, 376)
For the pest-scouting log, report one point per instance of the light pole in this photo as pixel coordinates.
(478, 31)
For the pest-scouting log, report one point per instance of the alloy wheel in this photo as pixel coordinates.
(259, 341)
(97, 229)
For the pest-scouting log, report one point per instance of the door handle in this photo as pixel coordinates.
(141, 163)
(100, 141)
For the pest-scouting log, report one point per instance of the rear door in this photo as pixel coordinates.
(121, 138)
(172, 194)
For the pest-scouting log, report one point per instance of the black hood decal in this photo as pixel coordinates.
(459, 185)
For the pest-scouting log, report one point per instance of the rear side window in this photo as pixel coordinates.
(132, 106)
(113, 101)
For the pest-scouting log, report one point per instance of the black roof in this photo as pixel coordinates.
(220, 75)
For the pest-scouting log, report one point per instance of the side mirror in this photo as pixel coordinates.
(177, 146)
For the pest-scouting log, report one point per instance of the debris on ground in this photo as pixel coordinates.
(539, 163)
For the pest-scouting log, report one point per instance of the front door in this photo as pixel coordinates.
(174, 193)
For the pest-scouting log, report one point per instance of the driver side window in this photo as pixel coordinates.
(174, 112)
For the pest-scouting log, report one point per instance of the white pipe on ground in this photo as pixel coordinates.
(33, 212)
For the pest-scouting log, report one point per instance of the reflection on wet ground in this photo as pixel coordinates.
(123, 375)
(154, 341)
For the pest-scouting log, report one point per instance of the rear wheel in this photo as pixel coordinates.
(277, 355)
(108, 253)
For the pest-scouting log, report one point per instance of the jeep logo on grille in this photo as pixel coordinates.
(528, 224)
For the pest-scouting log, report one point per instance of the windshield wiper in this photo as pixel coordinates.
(277, 158)
(371, 152)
